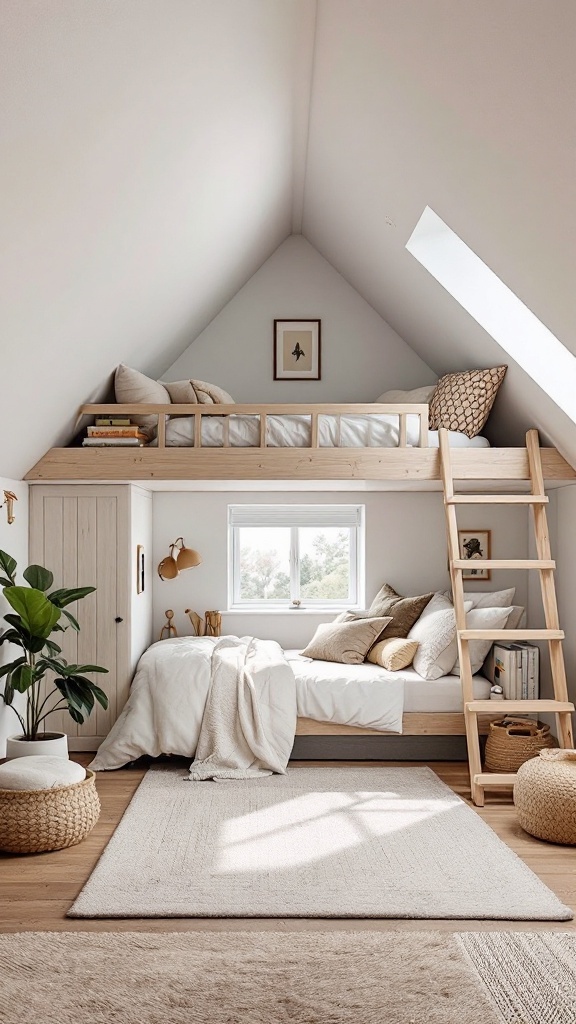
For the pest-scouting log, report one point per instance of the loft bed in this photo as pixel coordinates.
(406, 451)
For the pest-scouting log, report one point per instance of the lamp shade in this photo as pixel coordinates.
(187, 559)
(168, 570)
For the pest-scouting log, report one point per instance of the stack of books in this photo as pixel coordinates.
(516, 668)
(114, 431)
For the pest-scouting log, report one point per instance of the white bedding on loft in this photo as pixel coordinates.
(371, 431)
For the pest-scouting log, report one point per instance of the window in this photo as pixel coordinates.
(496, 308)
(283, 556)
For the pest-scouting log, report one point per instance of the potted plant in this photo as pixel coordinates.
(37, 614)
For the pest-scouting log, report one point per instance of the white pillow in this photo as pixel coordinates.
(42, 771)
(435, 632)
(482, 618)
(492, 599)
(418, 396)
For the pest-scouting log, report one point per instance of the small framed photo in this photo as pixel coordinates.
(297, 350)
(474, 545)
(140, 569)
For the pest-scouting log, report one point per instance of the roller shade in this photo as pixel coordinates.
(342, 516)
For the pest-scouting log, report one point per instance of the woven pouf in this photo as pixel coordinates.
(545, 796)
(35, 821)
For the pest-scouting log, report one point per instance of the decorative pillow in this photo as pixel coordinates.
(462, 401)
(482, 618)
(403, 610)
(131, 386)
(419, 396)
(42, 771)
(435, 631)
(496, 599)
(516, 619)
(346, 642)
(393, 653)
(198, 392)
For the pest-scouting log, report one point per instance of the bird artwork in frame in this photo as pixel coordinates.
(475, 546)
(297, 350)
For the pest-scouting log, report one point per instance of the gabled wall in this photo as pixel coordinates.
(361, 355)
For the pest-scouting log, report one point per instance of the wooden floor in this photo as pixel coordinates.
(36, 891)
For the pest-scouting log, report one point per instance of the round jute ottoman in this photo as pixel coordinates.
(38, 820)
(545, 796)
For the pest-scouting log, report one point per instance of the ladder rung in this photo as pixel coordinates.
(495, 779)
(498, 499)
(511, 634)
(487, 707)
(503, 563)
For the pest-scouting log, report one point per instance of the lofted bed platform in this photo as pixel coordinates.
(409, 460)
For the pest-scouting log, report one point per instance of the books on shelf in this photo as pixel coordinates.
(516, 668)
(114, 430)
(113, 442)
(112, 421)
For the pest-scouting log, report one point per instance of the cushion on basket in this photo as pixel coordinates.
(40, 772)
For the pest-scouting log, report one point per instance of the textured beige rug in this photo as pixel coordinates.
(319, 842)
(279, 978)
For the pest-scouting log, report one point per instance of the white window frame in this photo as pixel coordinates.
(350, 517)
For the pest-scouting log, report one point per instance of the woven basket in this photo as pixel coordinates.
(545, 797)
(512, 741)
(34, 821)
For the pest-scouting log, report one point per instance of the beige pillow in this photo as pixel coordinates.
(393, 653)
(418, 396)
(346, 642)
(462, 401)
(131, 386)
(404, 610)
(198, 392)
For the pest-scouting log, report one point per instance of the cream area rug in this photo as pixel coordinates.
(282, 978)
(317, 842)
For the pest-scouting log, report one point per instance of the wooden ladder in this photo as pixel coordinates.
(560, 705)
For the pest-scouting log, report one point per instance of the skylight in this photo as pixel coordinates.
(501, 313)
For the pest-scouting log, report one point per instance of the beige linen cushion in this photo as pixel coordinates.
(198, 392)
(462, 401)
(393, 653)
(41, 771)
(404, 611)
(131, 386)
(418, 396)
(482, 618)
(435, 631)
(346, 642)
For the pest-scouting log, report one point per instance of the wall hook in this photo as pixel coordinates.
(9, 499)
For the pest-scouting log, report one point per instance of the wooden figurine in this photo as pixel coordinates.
(168, 630)
(213, 623)
(198, 624)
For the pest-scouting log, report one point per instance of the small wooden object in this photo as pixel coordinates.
(168, 630)
(198, 624)
(213, 623)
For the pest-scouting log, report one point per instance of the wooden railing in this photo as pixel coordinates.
(313, 411)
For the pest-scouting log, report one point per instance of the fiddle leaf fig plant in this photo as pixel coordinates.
(37, 614)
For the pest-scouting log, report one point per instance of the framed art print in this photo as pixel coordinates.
(474, 545)
(297, 350)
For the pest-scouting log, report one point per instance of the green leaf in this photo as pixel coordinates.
(65, 596)
(8, 565)
(22, 678)
(10, 636)
(6, 583)
(57, 665)
(8, 694)
(76, 715)
(38, 614)
(52, 648)
(73, 622)
(100, 696)
(6, 669)
(38, 577)
(78, 669)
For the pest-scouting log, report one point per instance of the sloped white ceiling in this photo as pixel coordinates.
(149, 151)
(469, 108)
(156, 152)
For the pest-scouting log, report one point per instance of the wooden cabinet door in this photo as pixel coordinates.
(82, 535)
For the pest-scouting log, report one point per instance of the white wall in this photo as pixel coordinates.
(361, 355)
(405, 547)
(13, 540)
(565, 553)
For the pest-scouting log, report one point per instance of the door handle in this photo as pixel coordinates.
(118, 619)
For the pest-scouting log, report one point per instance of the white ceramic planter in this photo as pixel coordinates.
(54, 744)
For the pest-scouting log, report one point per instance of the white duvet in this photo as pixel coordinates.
(371, 431)
(165, 710)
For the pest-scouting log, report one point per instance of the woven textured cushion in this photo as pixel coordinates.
(40, 772)
(462, 401)
(345, 642)
(435, 631)
(393, 653)
(404, 611)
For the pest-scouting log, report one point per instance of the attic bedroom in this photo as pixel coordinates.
(288, 489)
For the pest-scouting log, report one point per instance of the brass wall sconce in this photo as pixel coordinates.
(172, 565)
(9, 499)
